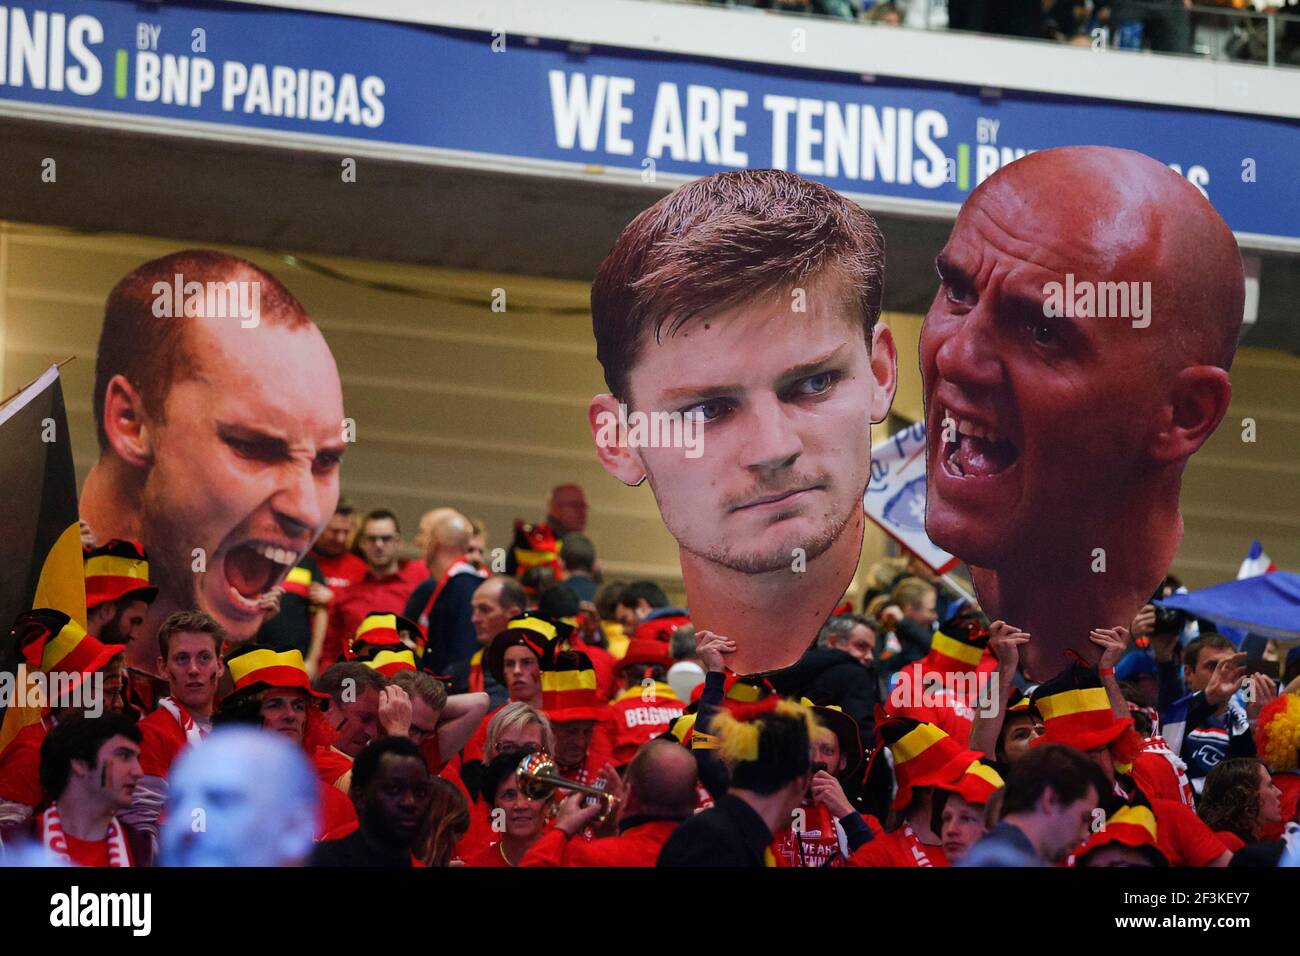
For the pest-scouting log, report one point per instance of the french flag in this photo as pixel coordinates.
(1256, 563)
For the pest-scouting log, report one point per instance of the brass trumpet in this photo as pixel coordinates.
(537, 778)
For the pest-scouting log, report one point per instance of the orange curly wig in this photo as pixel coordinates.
(1277, 733)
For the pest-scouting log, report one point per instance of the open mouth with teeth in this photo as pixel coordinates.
(977, 452)
(253, 569)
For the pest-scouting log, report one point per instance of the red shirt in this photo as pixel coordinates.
(489, 855)
(636, 721)
(162, 741)
(336, 811)
(939, 697)
(473, 749)
(638, 845)
(87, 852)
(331, 765)
(480, 833)
(1183, 837)
(602, 662)
(388, 594)
(1156, 775)
(896, 849)
(20, 766)
(1230, 840)
(341, 570)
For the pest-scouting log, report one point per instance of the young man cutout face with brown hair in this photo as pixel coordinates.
(748, 303)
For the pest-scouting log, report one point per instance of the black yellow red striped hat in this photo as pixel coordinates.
(534, 546)
(297, 581)
(381, 630)
(52, 642)
(569, 689)
(1076, 711)
(744, 697)
(924, 756)
(1133, 825)
(977, 783)
(523, 630)
(116, 569)
(253, 665)
(1020, 703)
(959, 644)
(391, 662)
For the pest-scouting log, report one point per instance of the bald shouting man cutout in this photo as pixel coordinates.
(1075, 356)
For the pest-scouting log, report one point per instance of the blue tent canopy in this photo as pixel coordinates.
(1268, 605)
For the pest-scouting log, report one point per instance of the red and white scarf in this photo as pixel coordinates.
(915, 845)
(1157, 745)
(53, 839)
(193, 732)
(459, 566)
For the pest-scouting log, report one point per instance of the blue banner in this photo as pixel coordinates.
(413, 85)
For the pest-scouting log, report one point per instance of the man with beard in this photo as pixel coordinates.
(1075, 356)
(339, 565)
(744, 307)
(391, 789)
(118, 595)
(220, 435)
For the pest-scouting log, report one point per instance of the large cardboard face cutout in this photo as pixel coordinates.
(743, 391)
(1075, 356)
(221, 433)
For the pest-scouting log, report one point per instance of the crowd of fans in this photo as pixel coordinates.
(510, 707)
(1162, 25)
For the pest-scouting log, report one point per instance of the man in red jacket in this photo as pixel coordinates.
(190, 656)
(659, 794)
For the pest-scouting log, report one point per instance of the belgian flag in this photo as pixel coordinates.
(40, 549)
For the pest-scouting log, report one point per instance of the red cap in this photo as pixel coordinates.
(642, 652)
(660, 628)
